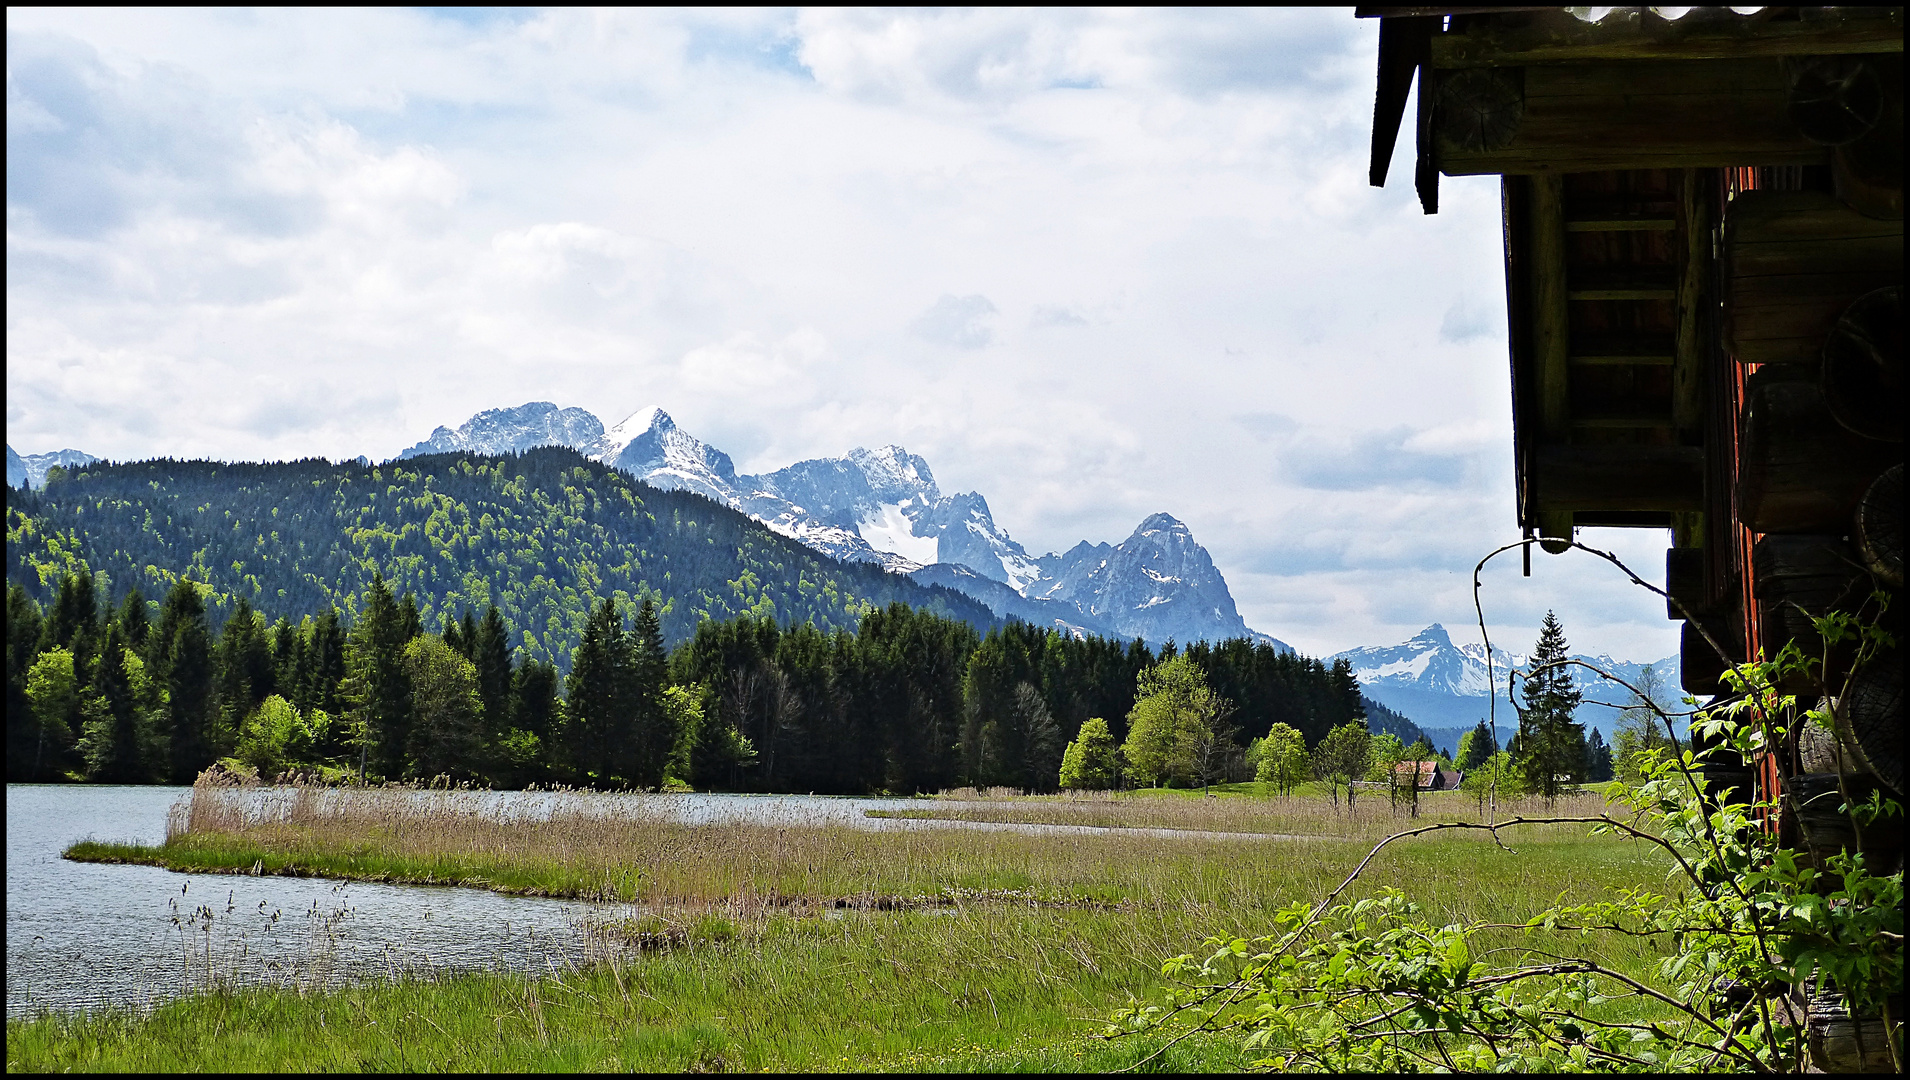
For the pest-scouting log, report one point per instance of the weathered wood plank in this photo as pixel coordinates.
(1632, 36)
(1687, 373)
(1648, 115)
(1623, 224)
(1794, 260)
(1618, 478)
(1799, 470)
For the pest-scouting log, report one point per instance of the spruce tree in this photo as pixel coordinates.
(491, 653)
(23, 646)
(1475, 748)
(1551, 743)
(598, 717)
(653, 727)
(378, 688)
(184, 652)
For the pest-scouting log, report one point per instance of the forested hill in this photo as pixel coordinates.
(541, 535)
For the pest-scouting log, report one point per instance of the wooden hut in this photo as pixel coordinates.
(1703, 223)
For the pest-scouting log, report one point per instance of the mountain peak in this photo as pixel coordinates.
(642, 421)
(1434, 635)
(1162, 523)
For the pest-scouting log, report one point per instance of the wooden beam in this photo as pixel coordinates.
(1402, 51)
(1622, 224)
(1559, 37)
(1606, 478)
(1623, 421)
(1622, 360)
(1793, 261)
(1687, 370)
(1647, 115)
(1551, 316)
(1551, 342)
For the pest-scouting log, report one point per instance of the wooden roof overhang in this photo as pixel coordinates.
(1612, 138)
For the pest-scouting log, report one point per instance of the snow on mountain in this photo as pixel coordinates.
(29, 470)
(1157, 584)
(883, 506)
(1441, 685)
(510, 431)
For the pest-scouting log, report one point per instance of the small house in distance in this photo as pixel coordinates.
(1425, 776)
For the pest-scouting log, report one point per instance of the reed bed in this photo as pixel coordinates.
(1313, 814)
(810, 943)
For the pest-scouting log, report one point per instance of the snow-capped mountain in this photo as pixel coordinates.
(1157, 584)
(883, 506)
(1442, 685)
(510, 431)
(29, 470)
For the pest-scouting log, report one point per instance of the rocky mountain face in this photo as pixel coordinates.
(29, 470)
(512, 431)
(883, 506)
(1441, 685)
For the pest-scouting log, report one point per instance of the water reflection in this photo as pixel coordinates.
(84, 935)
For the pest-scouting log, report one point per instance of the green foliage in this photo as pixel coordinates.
(1372, 986)
(276, 737)
(1091, 762)
(54, 694)
(1343, 756)
(1283, 759)
(1174, 729)
(541, 536)
(446, 737)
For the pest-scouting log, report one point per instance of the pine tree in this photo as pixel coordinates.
(23, 646)
(1475, 747)
(598, 716)
(1551, 743)
(653, 726)
(1598, 758)
(490, 653)
(377, 686)
(183, 652)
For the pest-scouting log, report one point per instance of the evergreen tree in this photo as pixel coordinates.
(653, 726)
(325, 663)
(1475, 747)
(1551, 748)
(243, 675)
(1598, 758)
(490, 654)
(599, 713)
(23, 646)
(184, 647)
(134, 626)
(377, 686)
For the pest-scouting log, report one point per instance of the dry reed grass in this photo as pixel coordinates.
(1370, 818)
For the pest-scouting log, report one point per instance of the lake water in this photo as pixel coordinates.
(86, 935)
(83, 935)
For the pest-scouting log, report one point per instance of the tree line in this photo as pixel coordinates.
(540, 535)
(908, 700)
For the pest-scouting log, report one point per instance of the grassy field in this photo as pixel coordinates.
(815, 946)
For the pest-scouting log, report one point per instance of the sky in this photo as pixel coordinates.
(1092, 264)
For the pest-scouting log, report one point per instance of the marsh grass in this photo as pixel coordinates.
(1236, 808)
(814, 945)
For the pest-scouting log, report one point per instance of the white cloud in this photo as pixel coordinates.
(327, 231)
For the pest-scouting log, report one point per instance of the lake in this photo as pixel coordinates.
(87, 935)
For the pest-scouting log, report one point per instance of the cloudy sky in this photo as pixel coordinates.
(1093, 265)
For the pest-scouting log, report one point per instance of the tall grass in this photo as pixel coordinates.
(809, 944)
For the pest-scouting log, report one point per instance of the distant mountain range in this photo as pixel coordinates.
(1445, 690)
(30, 471)
(883, 506)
